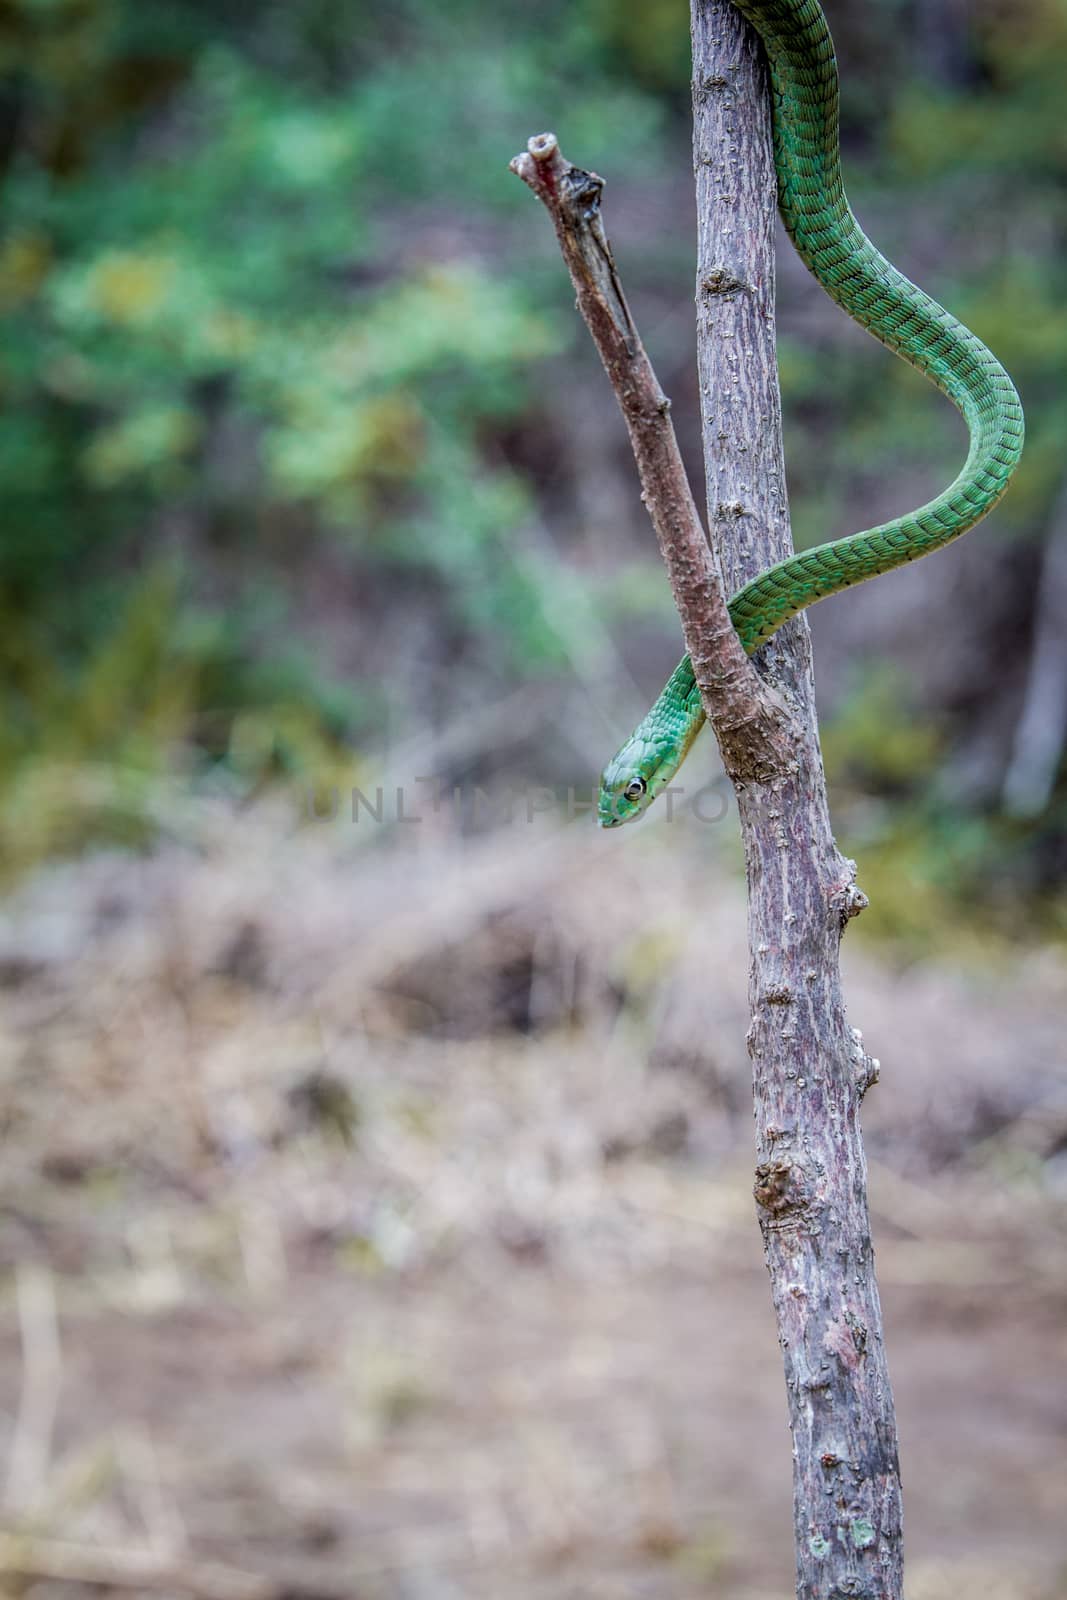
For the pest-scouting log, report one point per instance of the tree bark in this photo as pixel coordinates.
(810, 1070)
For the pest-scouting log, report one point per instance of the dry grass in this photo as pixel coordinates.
(376, 1222)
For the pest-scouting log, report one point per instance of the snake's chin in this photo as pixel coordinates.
(614, 810)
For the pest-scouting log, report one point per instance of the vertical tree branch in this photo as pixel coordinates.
(810, 1071)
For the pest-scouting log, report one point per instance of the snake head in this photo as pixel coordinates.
(628, 784)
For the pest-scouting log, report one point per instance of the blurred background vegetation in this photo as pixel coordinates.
(304, 453)
(375, 1208)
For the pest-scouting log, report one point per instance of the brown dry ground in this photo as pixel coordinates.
(375, 1222)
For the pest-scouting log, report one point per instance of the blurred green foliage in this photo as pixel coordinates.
(940, 872)
(210, 344)
(275, 322)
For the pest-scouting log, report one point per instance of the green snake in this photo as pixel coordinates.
(831, 243)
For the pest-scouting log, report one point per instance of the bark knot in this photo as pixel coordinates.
(781, 1189)
(867, 1067)
(846, 898)
(721, 281)
(583, 191)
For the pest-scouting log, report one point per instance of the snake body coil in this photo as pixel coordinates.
(819, 220)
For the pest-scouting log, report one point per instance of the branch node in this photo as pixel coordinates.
(847, 900)
(868, 1067)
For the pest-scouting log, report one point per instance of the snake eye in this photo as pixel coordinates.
(635, 789)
